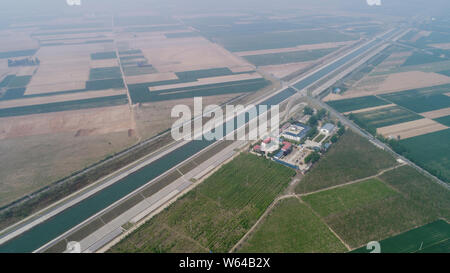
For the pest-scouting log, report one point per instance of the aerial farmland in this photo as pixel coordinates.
(357, 94)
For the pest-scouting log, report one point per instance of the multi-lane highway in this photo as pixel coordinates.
(46, 228)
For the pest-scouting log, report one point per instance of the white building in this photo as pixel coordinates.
(327, 129)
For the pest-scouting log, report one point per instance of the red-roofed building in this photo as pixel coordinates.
(267, 140)
(257, 148)
(287, 147)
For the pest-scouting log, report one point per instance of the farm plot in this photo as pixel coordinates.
(17, 53)
(288, 57)
(64, 106)
(433, 238)
(421, 100)
(444, 120)
(367, 211)
(418, 58)
(431, 152)
(351, 158)
(384, 117)
(347, 105)
(437, 113)
(105, 73)
(420, 189)
(410, 129)
(292, 227)
(19, 81)
(270, 40)
(140, 93)
(103, 55)
(217, 213)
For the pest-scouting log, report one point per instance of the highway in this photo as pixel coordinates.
(41, 232)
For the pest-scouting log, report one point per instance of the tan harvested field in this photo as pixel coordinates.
(63, 68)
(244, 68)
(104, 63)
(369, 109)
(441, 46)
(210, 80)
(151, 78)
(291, 49)
(26, 70)
(282, 70)
(32, 162)
(96, 121)
(153, 118)
(169, 55)
(17, 40)
(419, 35)
(60, 98)
(411, 128)
(59, 37)
(393, 83)
(437, 113)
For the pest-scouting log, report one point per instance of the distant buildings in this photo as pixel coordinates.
(296, 131)
(327, 129)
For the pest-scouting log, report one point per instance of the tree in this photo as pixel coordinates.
(341, 131)
(312, 157)
(313, 121)
(308, 110)
(334, 139)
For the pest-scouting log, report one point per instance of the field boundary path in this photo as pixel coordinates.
(295, 180)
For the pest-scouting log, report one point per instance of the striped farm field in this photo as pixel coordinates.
(385, 117)
(292, 227)
(347, 105)
(363, 211)
(433, 238)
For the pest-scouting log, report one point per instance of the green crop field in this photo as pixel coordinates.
(288, 57)
(432, 238)
(271, 40)
(292, 227)
(18, 81)
(17, 53)
(193, 75)
(384, 117)
(444, 120)
(445, 73)
(217, 213)
(334, 201)
(130, 52)
(421, 58)
(352, 157)
(103, 73)
(367, 211)
(13, 93)
(6, 80)
(64, 106)
(135, 70)
(140, 92)
(431, 152)
(421, 100)
(347, 105)
(420, 189)
(103, 55)
(104, 84)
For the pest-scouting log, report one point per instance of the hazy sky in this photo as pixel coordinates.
(28, 8)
